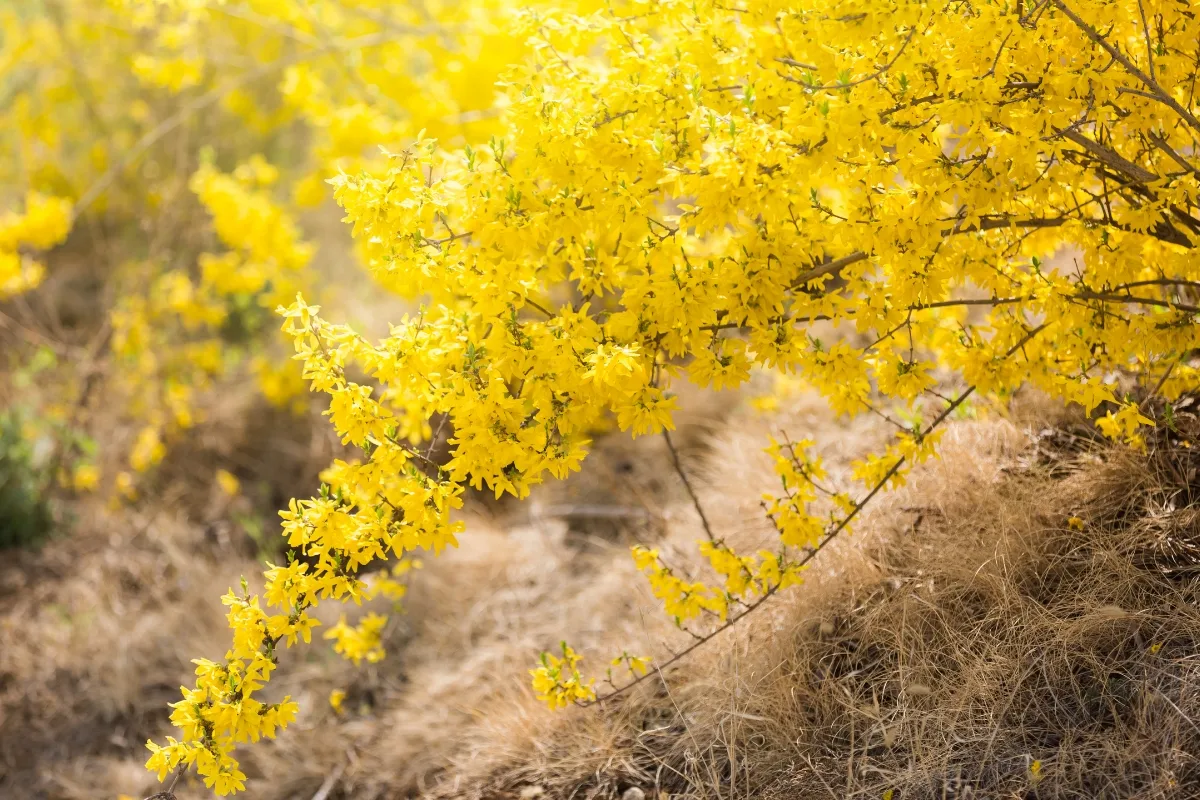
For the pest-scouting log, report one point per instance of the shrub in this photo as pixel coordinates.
(26, 517)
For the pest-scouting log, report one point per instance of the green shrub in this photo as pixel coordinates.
(26, 518)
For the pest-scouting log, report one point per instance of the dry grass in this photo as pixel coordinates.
(965, 632)
(970, 633)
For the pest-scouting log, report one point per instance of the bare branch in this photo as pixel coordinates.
(688, 485)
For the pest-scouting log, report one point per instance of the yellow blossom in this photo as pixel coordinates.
(228, 482)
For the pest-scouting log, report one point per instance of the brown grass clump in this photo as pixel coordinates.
(1020, 622)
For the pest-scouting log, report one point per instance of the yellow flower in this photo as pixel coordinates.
(1125, 422)
(360, 642)
(125, 486)
(228, 482)
(148, 450)
(85, 478)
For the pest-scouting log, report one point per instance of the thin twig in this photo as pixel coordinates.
(329, 783)
(169, 793)
(992, 223)
(1145, 301)
(688, 484)
(1146, 31)
(1161, 381)
(529, 302)
(834, 86)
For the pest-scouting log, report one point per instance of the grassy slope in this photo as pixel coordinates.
(965, 632)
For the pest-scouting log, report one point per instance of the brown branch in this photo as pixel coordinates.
(1146, 31)
(169, 794)
(610, 117)
(1109, 157)
(1161, 381)
(980, 301)
(1107, 297)
(688, 485)
(1161, 143)
(791, 62)
(985, 224)
(1157, 282)
(1145, 301)
(529, 302)
(1158, 92)
(828, 268)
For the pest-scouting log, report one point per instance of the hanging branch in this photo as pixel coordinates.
(811, 554)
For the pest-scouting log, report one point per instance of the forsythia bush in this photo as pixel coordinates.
(905, 204)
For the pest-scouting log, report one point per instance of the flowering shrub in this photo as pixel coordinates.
(986, 195)
(688, 188)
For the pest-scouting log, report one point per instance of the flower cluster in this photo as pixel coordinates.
(42, 225)
(221, 710)
(558, 682)
(953, 197)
